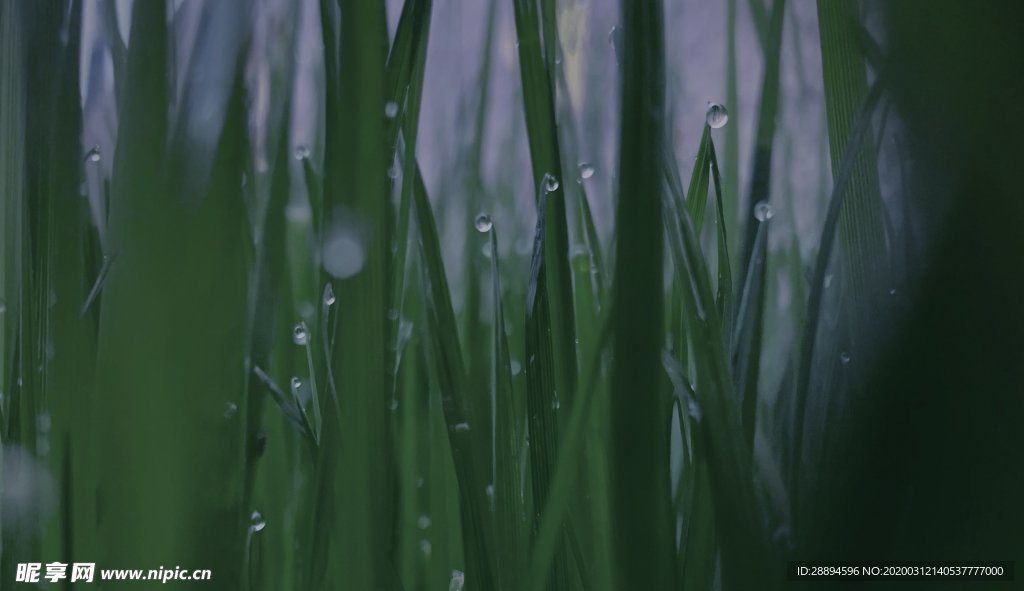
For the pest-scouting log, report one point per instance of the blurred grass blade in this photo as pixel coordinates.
(747, 339)
(827, 241)
(724, 297)
(697, 194)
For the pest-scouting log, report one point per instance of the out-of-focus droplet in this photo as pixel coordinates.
(256, 522)
(301, 152)
(230, 410)
(390, 109)
(343, 253)
(296, 383)
(763, 211)
(483, 223)
(844, 357)
(93, 155)
(717, 116)
(458, 581)
(423, 521)
(586, 170)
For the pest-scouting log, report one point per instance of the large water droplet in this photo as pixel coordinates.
(586, 170)
(300, 336)
(390, 109)
(423, 521)
(93, 155)
(483, 223)
(763, 211)
(301, 152)
(256, 522)
(230, 409)
(717, 116)
(550, 183)
(458, 581)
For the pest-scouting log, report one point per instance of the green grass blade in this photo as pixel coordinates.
(443, 341)
(697, 194)
(641, 509)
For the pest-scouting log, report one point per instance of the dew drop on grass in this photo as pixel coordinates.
(717, 116)
(550, 183)
(93, 155)
(425, 547)
(844, 357)
(483, 223)
(394, 173)
(230, 410)
(462, 427)
(458, 581)
(694, 409)
(490, 496)
(393, 404)
(828, 281)
(300, 336)
(586, 170)
(556, 403)
(763, 211)
(390, 109)
(296, 384)
(892, 291)
(516, 367)
(256, 522)
(486, 250)
(423, 521)
(392, 314)
(329, 298)
(301, 152)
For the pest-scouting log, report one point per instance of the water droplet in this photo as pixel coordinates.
(516, 367)
(256, 522)
(296, 384)
(329, 298)
(93, 155)
(301, 152)
(483, 223)
(763, 211)
(230, 409)
(717, 116)
(556, 403)
(392, 314)
(828, 281)
(844, 357)
(390, 109)
(299, 334)
(343, 253)
(486, 250)
(550, 183)
(694, 409)
(458, 581)
(892, 291)
(394, 173)
(586, 170)
(393, 404)
(423, 521)
(462, 427)
(489, 491)
(425, 547)
(44, 422)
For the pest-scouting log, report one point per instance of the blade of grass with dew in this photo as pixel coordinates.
(747, 338)
(729, 459)
(507, 418)
(861, 228)
(840, 187)
(545, 158)
(354, 257)
(443, 342)
(641, 508)
(760, 177)
(179, 275)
